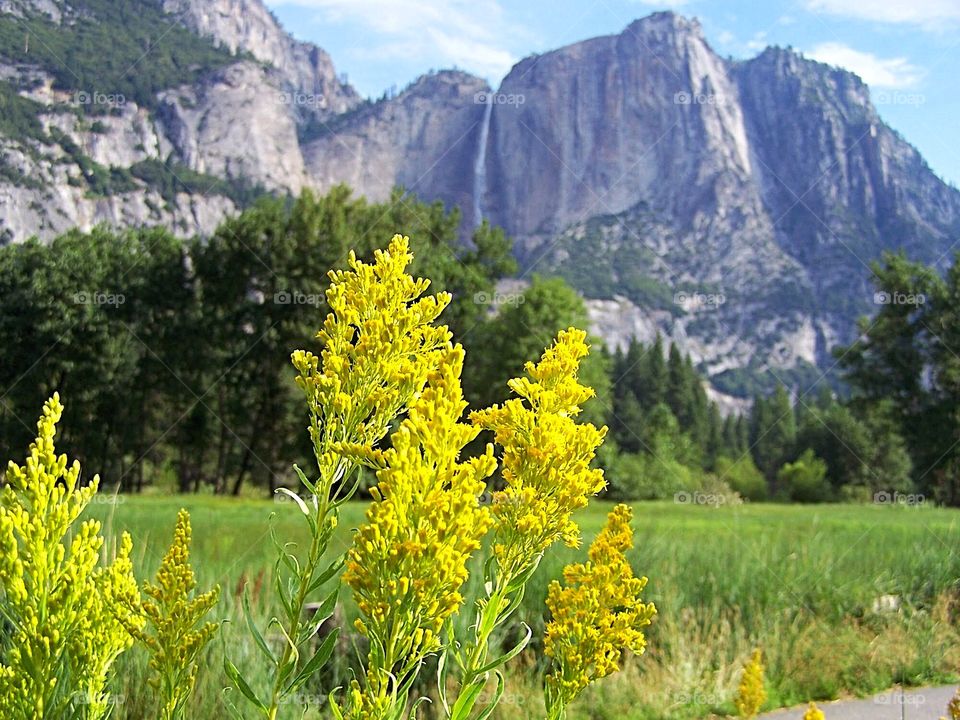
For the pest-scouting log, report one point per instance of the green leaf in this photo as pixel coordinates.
(332, 569)
(327, 607)
(332, 702)
(468, 698)
(255, 631)
(318, 660)
(509, 655)
(231, 670)
(496, 698)
(303, 478)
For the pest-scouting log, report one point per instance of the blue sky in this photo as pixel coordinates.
(907, 50)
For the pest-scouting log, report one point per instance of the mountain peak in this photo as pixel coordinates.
(666, 21)
(249, 26)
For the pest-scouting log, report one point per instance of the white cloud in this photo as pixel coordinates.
(877, 72)
(929, 14)
(758, 41)
(725, 37)
(465, 33)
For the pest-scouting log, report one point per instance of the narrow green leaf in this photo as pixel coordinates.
(303, 478)
(318, 660)
(255, 631)
(332, 569)
(509, 655)
(231, 670)
(498, 693)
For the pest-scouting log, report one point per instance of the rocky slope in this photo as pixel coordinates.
(209, 142)
(734, 206)
(248, 26)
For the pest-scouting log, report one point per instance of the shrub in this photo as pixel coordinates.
(641, 476)
(743, 476)
(805, 479)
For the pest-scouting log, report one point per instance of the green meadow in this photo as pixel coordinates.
(842, 599)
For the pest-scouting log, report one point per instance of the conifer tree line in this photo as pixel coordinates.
(173, 355)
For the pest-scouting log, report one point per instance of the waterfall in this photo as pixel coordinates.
(480, 164)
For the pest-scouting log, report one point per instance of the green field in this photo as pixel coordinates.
(802, 582)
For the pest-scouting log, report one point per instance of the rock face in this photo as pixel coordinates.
(739, 203)
(732, 206)
(202, 125)
(248, 26)
(425, 139)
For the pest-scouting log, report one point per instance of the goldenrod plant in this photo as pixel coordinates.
(169, 623)
(595, 616)
(751, 694)
(383, 359)
(379, 347)
(409, 559)
(813, 712)
(547, 475)
(953, 707)
(61, 636)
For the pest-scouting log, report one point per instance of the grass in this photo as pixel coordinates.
(801, 582)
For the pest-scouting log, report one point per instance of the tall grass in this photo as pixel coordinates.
(802, 582)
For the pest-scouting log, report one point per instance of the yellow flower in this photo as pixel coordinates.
(813, 713)
(54, 596)
(409, 560)
(751, 695)
(546, 455)
(953, 707)
(174, 615)
(378, 346)
(596, 616)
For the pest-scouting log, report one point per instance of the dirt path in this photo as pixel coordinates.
(912, 704)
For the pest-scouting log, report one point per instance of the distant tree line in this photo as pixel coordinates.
(893, 437)
(171, 356)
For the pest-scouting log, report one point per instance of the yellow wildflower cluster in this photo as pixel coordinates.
(597, 616)
(953, 707)
(174, 634)
(813, 713)
(751, 695)
(379, 345)
(63, 636)
(546, 455)
(409, 560)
